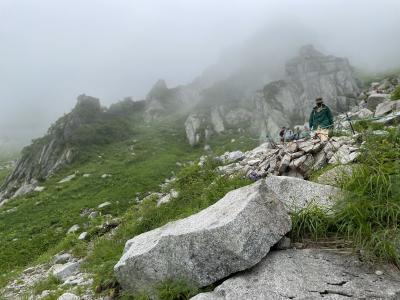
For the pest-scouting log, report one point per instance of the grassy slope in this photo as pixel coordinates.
(38, 227)
(368, 216)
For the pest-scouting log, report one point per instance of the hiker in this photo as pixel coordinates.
(321, 119)
(286, 134)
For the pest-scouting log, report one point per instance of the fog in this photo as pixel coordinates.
(52, 51)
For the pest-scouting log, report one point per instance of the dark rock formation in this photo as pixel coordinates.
(48, 154)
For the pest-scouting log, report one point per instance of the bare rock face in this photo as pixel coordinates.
(308, 76)
(285, 102)
(232, 235)
(306, 274)
(192, 126)
(48, 154)
(162, 101)
(297, 193)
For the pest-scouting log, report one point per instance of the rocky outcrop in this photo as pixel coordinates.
(192, 126)
(162, 101)
(386, 107)
(48, 154)
(297, 193)
(375, 99)
(286, 102)
(307, 274)
(295, 159)
(232, 235)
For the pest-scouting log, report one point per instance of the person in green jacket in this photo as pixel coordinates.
(321, 116)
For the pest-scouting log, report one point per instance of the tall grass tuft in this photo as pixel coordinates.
(369, 213)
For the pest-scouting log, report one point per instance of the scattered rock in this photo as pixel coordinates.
(93, 214)
(67, 179)
(83, 236)
(232, 235)
(363, 113)
(230, 157)
(392, 119)
(62, 272)
(379, 272)
(334, 175)
(62, 258)
(344, 155)
(306, 274)
(11, 210)
(68, 296)
(45, 293)
(23, 190)
(380, 132)
(106, 176)
(86, 175)
(39, 189)
(79, 279)
(104, 204)
(73, 228)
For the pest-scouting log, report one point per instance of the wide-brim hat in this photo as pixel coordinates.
(319, 100)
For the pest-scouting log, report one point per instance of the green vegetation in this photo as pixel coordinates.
(367, 125)
(310, 222)
(3, 174)
(167, 290)
(396, 93)
(50, 283)
(369, 212)
(5, 159)
(35, 229)
(198, 188)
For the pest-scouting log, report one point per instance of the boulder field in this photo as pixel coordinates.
(229, 243)
(232, 235)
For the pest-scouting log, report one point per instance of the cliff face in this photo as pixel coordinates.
(286, 102)
(51, 152)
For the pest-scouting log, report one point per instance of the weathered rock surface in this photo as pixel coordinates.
(62, 272)
(50, 153)
(232, 235)
(375, 99)
(334, 175)
(286, 102)
(386, 107)
(68, 296)
(297, 193)
(295, 159)
(306, 274)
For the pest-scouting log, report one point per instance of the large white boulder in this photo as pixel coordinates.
(306, 274)
(296, 193)
(232, 235)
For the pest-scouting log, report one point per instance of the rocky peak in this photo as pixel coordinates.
(286, 102)
(158, 90)
(48, 154)
(308, 51)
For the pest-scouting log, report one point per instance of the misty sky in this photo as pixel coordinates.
(53, 50)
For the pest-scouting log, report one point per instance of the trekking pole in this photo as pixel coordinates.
(351, 125)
